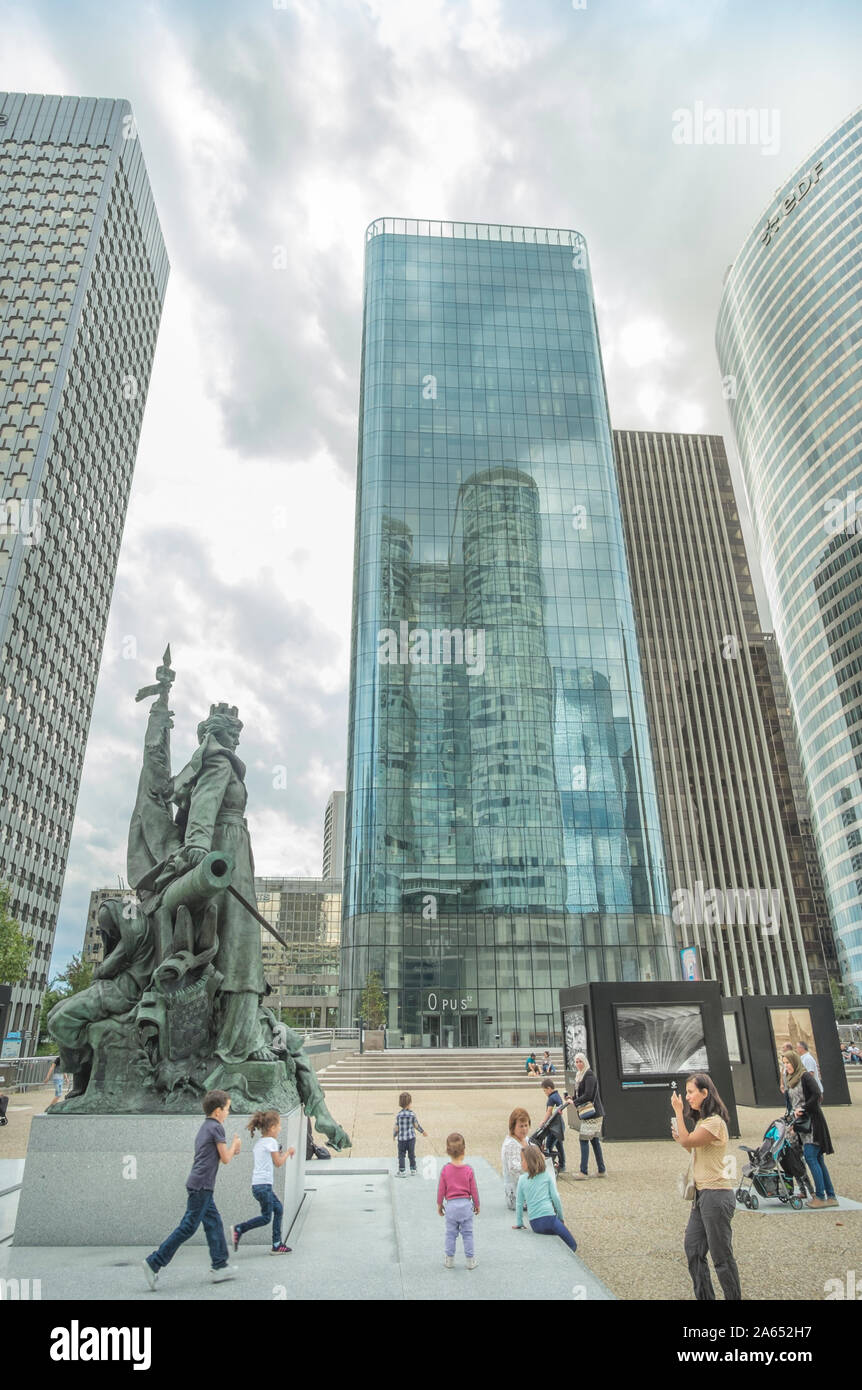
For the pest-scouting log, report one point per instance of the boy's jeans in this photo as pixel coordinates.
(459, 1218)
(271, 1210)
(408, 1147)
(201, 1207)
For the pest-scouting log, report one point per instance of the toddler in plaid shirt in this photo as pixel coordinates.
(406, 1125)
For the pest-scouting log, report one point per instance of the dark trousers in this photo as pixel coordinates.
(200, 1207)
(552, 1140)
(553, 1226)
(585, 1154)
(408, 1147)
(270, 1209)
(708, 1229)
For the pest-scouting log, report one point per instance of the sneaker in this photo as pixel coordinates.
(603, 1173)
(280, 1249)
(401, 1173)
(472, 1262)
(817, 1202)
(832, 1201)
(152, 1275)
(413, 1172)
(234, 1236)
(448, 1261)
(218, 1276)
(581, 1177)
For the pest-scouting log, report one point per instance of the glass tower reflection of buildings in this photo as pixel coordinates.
(502, 832)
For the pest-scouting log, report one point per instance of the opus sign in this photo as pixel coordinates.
(438, 1001)
(792, 201)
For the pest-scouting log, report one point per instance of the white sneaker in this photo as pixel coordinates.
(448, 1261)
(472, 1262)
(401, 1173)
(152, 1275)
(218, 1276)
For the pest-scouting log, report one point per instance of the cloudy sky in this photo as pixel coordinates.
(273, 134)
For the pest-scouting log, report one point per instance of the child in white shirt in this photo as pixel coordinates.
(266, 1153)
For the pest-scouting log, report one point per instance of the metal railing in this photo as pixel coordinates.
(23, 1072)
(315, 1035)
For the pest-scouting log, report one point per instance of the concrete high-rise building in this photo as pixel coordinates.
(93, 947)
(788, 341)
(503, 837)
(83, 271)
(302, 976)
(733, 811)
(333, 836)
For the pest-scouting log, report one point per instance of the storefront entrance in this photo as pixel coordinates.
(451, 1030)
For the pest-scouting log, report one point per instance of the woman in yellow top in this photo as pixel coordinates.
(714, 1202)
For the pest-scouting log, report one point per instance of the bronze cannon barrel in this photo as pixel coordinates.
(195, 888)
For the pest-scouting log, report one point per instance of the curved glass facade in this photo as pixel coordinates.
(502, 833)
(789, 341)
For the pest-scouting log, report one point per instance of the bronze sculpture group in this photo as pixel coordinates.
(178, 1004)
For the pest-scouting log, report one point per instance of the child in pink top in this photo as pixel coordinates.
(457, 1188)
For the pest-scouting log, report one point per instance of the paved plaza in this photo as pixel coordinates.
(365, 1233)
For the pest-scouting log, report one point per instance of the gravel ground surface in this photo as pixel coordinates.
(629, 1225)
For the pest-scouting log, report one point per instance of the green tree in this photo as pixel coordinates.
(15, 947)
(372, 1003)
(78, 975)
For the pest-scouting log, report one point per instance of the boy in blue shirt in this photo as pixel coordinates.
(210, 1150)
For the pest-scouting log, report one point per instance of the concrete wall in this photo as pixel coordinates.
(120, 1179)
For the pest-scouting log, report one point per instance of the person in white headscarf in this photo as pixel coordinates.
(587, 1096)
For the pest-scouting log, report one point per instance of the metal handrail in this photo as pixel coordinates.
(28, 1071)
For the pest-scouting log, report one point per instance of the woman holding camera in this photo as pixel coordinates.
(714, 1203)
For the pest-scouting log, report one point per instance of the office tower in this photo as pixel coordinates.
(788, 341)
(502, 828)
(733, 811)
(82, 279)
(302, 976)
(93, 948)
(333, 836)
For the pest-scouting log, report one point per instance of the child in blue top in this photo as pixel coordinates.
(536, 1188)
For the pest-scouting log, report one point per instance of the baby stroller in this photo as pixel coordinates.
(539, 1136)
(773, 1170)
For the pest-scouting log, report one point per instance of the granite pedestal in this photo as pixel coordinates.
(120, 1179)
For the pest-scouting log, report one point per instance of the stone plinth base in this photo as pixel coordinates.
(120, 1179)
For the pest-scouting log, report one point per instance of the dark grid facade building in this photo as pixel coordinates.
(83, 272)
(303, 975)
(730, 792)
(502, 829)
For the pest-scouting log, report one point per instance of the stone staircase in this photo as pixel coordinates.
(436, 1069)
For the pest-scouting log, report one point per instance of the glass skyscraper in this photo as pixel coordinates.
(790, 346)
(502, 828)
(83, 272)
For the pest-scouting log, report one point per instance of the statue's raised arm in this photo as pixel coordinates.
(153, 834)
